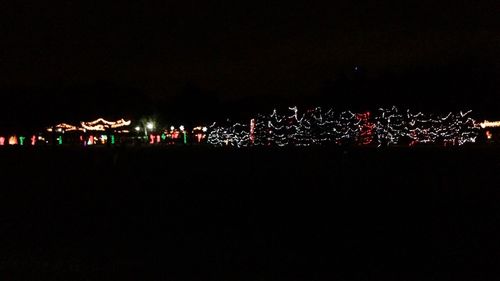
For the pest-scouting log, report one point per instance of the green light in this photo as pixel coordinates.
(185, 138)
(21, 140)
(112, 139)
(163, 136)
(59, 140)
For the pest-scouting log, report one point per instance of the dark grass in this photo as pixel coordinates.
(198, 213)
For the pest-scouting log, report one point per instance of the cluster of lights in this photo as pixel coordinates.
(101, 124)
(489, 124)
(385, 127)
(96, 125)
(63, 127)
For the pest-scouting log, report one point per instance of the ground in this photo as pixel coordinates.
(199, 213)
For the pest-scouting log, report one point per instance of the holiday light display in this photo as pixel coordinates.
(384, 127)
(102, 125)
(489, 124)
(199, 133)
(489, 135)
(314, 126)
(13, 140)
(63, 127)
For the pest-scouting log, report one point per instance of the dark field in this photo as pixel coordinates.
(197, 213)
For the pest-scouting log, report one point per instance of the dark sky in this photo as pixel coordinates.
(247, 51)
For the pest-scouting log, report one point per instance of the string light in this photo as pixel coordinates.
(489, 124)
(64, 127)
(101, 124)
(385, 127)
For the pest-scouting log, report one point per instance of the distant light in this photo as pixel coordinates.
(172, 128)
(137, 128)
(13, 140)
(489, 124)
(489, 135)
(150, 126)
(204, 129)
(181, 127)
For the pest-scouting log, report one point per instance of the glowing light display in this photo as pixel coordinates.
(385, 127)
(252, 131)
(33, 140)
(63, 127)
(21, 140)
(2, 141)
(101, 124)
(13, 140)
(489, 135)
(489, 124)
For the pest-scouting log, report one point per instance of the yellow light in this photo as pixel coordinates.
(65, 127)
(101, 124)
(489, 124)
(13, 140)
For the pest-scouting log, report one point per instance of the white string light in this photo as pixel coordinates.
(385, 127)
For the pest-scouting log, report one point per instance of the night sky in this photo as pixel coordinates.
(186, 59)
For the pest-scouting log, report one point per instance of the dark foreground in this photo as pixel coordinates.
(214, 214)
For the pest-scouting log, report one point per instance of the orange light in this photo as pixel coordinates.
(13, 140)
(489, 124)
(489, 135)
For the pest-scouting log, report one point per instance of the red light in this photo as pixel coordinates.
(2, 141)
(33, 140)
(489, 135)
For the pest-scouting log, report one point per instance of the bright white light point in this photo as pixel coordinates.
(181, 127)
(172, 128)
(149, 125)
(204, 129)
(137, 128)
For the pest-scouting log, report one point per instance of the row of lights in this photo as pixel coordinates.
(150, 126)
